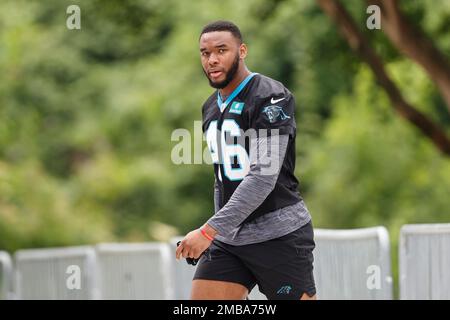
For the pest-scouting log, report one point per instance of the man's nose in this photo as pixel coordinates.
(213, 59)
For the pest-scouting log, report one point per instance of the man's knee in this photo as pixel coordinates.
(217, 290)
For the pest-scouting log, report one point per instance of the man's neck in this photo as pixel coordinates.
(240, 76)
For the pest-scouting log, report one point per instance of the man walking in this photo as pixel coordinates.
(261, 232)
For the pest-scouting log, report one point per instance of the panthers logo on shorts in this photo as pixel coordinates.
(274, 113)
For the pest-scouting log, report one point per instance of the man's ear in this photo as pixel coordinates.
(242, 51)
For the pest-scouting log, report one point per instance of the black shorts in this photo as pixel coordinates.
(282, 267)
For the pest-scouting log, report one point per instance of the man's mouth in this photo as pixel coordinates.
(215, 74)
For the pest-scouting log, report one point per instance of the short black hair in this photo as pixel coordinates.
(223, 25)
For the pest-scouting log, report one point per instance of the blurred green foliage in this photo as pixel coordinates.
(86, 118)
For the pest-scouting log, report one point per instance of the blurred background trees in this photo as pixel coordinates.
(86, 117)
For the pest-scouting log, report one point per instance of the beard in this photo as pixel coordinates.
(229, 75)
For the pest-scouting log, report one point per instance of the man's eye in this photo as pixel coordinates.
(221, 50)
(204, 53)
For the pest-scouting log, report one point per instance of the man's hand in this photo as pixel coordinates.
(193, 245)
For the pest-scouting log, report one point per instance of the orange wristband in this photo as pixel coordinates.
(207, 236)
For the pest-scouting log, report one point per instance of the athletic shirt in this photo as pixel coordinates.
(266, 106)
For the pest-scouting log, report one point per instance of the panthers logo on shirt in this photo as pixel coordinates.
(275, 113)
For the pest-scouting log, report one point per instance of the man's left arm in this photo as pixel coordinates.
(248, 196)
(254, 188)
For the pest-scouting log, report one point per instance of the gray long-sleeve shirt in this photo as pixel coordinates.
(250, 193)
